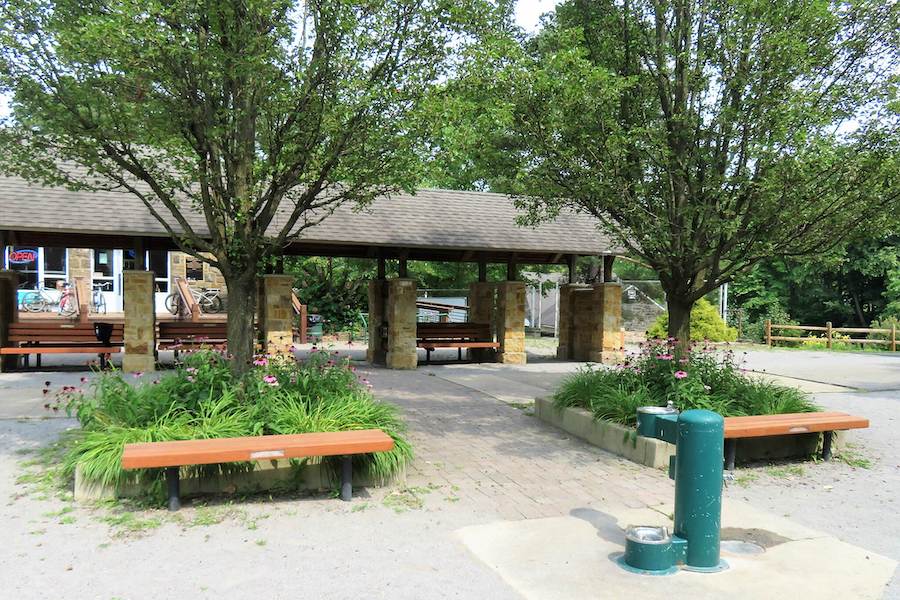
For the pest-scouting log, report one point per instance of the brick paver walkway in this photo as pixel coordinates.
(502, 462)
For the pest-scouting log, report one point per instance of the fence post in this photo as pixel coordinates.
(828, 335)
(893, 337)
(769, 333)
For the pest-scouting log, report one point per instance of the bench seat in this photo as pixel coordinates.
(191, 334)
(788, 424)
(453, 335)
(175, 454)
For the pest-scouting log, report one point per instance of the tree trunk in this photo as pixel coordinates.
(242, 300)
(680, 322)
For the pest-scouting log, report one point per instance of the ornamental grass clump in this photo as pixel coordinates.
(701, 378)
(203, 399)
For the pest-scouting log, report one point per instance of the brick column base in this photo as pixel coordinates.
(400, 316)
(277, 313)
(375, 354)
(511, 322)
(482, 306)
(140, 322)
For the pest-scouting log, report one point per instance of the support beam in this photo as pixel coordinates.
(402, 271)
(482, 271)
(277, 313)
(573, 259)
(140, 254)
(382, 269)
(9, 313)
(512, 269)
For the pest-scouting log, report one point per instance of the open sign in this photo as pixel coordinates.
(22, 256)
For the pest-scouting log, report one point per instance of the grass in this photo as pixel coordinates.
(785, 471)
(852, 457)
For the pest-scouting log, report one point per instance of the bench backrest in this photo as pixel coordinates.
(172, 330)
(50, 332)
(453, 331)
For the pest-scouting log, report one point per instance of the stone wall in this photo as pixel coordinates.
(482, 306)
(9, 313)
(81, 263)
(212, 277)
(140, 322)
(375, 353)
(590, 323)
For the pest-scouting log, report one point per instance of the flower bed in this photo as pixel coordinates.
(702, 378)
(203, 399)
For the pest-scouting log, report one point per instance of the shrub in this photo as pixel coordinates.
(885, 322)
(706, 324)
(203, 399)
(701, 379)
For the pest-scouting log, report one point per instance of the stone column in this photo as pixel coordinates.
(400, 316)
(9, 313)
(566, 326)
(140, 322)
(511, 322)
(375, 354)
(80, 263)
(609, 321)
(482, 305)
(277, 314)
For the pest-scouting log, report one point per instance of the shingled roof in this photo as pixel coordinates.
(431, 224)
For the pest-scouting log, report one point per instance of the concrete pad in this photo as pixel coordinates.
(810, 387)
(501, 388)
(572, 558)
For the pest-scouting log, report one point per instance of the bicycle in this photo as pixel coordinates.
(208, 299)
(43, 298)
(98, 300)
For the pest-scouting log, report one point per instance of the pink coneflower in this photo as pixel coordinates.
(680, 374)
(271, 380)
(664, 357)
(190, 378)
(191, 370)
(261, 362)
(137, 374)
(84, 380)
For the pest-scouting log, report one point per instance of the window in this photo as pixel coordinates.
(24, 261)
(103, 269)
(158, 260)
(193, 268)
(54, 266)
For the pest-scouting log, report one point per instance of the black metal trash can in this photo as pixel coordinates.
(103, 331)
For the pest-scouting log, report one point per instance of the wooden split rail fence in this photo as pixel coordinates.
(829, 331)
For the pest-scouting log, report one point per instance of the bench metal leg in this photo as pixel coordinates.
(37, 360)
(346, 478)
(459, 352)
(174, 488)
(427, 355)
(827, 438)
(730, 453)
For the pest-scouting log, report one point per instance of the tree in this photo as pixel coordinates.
(237, 123)
(706, 135)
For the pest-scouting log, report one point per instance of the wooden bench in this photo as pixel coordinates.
(172, 455)
(189, 335)
(61, 337)
(453, 335)
(788, 424)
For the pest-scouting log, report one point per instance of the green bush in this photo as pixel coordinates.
(706, 324)
(885, 322)
(701, 379)
(203, 399)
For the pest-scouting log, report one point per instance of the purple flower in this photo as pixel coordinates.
(664, 357)
(261, 362)
(137, 374)
(271, 380)
(680, 374)
(191, 370)
(190, 378)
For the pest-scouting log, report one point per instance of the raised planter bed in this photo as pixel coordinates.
(624, 441)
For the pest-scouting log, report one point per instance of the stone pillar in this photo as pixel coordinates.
(566, 326)
(80, 263)
(400, 321)
(9, 313)
(375, 354)
(511, 322)
(277, 314)
(610, 340)
(482, 305)
(590, 323)
(140, 322)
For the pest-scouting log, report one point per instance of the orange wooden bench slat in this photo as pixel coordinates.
(264, 447)
(447, 344)
(61, 350)
(768, 425)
